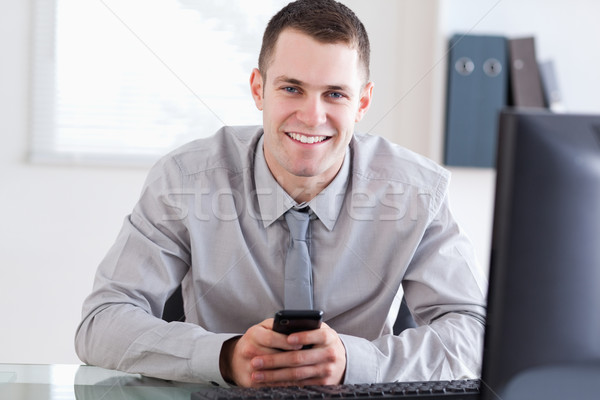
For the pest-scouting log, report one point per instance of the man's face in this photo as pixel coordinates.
(312, 96)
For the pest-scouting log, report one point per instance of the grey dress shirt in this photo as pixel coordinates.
(210, 216)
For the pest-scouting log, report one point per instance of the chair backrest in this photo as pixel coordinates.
(174, 311)
(404, 320)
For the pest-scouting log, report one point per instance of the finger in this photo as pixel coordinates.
(267, 323)
(273, 340)
(311, 374)
(266, 341)
(316, 337)
(258, 340)
(285, 376)
(294, 358)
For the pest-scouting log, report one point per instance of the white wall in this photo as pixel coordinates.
(58, 222)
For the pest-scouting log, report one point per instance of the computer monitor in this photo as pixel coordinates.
(543, 331)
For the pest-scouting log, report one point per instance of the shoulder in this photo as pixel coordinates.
(230, 149)
(376, 159)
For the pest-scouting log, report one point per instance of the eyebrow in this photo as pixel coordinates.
(294, 81)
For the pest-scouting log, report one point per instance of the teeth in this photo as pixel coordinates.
(306, 139)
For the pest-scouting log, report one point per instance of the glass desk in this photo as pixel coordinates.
(65, 382)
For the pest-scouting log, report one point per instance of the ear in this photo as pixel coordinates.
(257, 88)
(365, 101)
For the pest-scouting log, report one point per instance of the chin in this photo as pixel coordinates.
(305, 173)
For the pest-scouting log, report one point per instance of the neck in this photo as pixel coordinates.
(302, 189)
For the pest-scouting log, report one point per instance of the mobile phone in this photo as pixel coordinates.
(290, 321)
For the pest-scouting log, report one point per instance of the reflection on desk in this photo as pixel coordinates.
(65, 382)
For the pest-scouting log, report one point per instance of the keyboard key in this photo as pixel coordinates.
(463, 389)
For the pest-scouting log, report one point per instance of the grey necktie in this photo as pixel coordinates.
(298, 272)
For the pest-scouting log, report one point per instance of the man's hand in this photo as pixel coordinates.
(262, 357)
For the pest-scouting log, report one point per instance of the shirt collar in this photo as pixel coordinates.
(274, 201)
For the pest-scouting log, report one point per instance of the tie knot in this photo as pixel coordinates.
(297, 223)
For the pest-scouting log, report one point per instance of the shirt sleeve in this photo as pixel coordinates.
(445, 291)
(121, 326)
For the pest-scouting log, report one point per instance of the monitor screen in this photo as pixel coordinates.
(544, 298)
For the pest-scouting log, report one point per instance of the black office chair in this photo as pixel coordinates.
(174, 307)
(404, 320)
(174, 312)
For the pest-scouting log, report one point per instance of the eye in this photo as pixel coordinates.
(336, 95)
(290, 89)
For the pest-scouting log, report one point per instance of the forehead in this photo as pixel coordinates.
(301, 57)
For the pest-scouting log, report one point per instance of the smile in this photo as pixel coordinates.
(306, 139)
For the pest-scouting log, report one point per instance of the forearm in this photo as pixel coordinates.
(127, 338)
(448, 348)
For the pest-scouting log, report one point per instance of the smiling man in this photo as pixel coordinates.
(213, 217)
(311, 94)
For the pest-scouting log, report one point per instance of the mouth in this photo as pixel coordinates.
(306, 139)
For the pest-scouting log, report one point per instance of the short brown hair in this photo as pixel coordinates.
(326, 21)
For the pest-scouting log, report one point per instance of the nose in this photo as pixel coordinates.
(312, 112)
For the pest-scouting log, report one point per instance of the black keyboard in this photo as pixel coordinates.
(451, 390)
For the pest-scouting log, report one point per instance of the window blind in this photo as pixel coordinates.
(125, 81)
